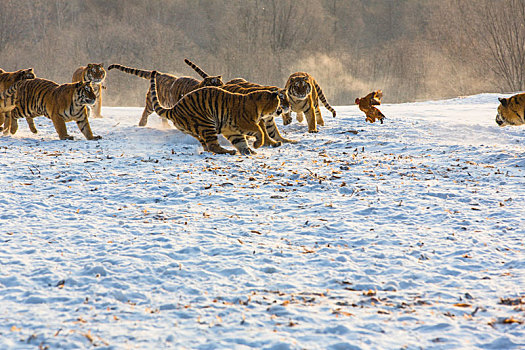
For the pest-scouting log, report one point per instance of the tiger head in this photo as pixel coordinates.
(212, 80)
(84, 93)
(284, 102)
(267, 103)
(299, 87)
(511, 111)
(95, 73)
(23, 74)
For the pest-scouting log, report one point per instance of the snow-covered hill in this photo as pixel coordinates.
(407, 235)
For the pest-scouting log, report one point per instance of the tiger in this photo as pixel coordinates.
(272, 135)
(170, 87)
(511, 111)
(9, 78)
(304, 94)
(60, 103)
(206, 112)
(367, 103)
(96, 74)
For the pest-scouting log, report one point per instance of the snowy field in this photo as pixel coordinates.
(406, 235)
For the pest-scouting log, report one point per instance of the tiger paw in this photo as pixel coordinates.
(143, 121)
(247, 152)
(313, 131)
(289, 140)
(96, 137)
(67, 137)
(286, 120)
(270, 142)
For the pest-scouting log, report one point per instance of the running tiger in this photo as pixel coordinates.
(7, 79)
(96, 74)
(209, 111)
(511, 111)
(60, 103)
(272, 136)
(170, 87)
(304, 94)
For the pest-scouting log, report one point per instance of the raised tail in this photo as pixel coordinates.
(323, 99)
(8, 98)
(145, 74)
(154, 99)
(196, 68)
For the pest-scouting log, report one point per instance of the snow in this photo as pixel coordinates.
(405, 235)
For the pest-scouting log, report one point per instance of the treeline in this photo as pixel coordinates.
(412, 49)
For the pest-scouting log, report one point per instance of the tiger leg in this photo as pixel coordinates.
(60, 127)
(274, 133)
(85, 128)
(98, 104)
(310, 118)
(2, 120)
(203, 143)
(147, 110)
(268, 141)
(14, 125)
(7, 124)
(31, 123)
(210, 141)
(238, 137)
(287, 118)
(318, 116)
(299, 116)
(239, 142)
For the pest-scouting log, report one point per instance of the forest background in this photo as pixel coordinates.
(412, 49)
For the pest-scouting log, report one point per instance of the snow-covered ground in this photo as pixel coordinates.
(405, 235)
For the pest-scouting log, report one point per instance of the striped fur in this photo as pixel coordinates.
(7, 79)
(170, 88)
(272, 136)
(96, 74)
(304, 94)
(511, 111)
(239, 85)
(61, 103)
(209, 111)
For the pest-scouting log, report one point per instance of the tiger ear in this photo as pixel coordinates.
(503, 101)
(101, 64)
